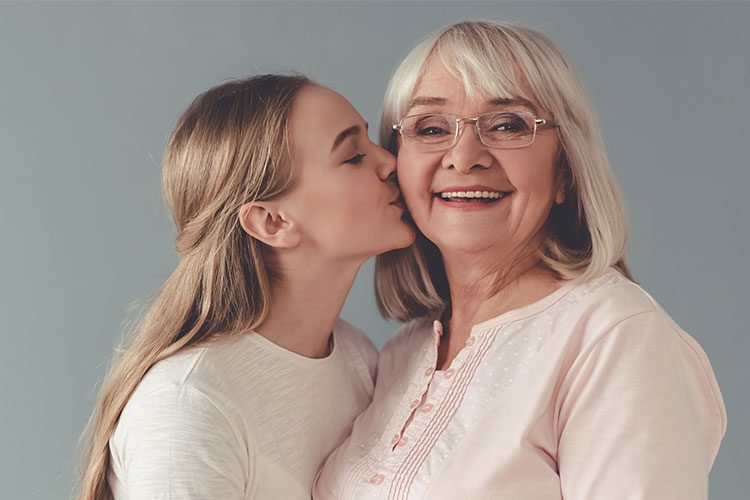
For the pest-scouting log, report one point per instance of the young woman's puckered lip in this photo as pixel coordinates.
(398, 201)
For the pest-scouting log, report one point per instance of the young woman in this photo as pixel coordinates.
(241, 378)
(531, 366)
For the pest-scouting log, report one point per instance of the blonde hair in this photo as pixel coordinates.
(587, 233)
(231, 146)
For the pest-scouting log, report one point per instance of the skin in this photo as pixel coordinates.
(344, 209)
(488, 249)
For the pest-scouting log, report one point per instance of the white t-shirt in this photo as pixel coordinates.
(241, 419)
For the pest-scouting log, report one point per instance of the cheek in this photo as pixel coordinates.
(414, 178)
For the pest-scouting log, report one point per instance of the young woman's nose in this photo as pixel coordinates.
(386, 164)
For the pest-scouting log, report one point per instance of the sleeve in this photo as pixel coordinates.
(175, 443)
(641, 417)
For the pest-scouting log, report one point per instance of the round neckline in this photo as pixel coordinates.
(293, 356)
(527, 310)
(521, 312)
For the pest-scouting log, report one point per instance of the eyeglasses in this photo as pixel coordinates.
(504, 129)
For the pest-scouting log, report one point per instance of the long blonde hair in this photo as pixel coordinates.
(230, 147)
(587, 233)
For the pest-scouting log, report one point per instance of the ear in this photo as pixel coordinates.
(563, 175)
(562, 186)
(560, 195)
(263, 221)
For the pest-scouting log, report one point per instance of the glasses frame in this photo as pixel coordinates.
(538, 122)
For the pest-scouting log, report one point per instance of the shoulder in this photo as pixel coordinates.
(612, 318)
(173, 402)
(199, 385)
(176, 439)
(178, 407)
(353, 337)
(594, 307)
(360, 351)
(618, 332)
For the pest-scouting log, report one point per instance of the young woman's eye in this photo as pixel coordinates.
(356, 159)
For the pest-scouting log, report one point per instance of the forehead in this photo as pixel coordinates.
(435, 76)
(458, 82)
(319, 114)
(323, 102)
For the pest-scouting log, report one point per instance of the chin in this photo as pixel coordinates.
(464, 242)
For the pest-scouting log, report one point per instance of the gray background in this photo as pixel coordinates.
(88, 93)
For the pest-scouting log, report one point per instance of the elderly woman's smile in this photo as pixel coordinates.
(469, 196)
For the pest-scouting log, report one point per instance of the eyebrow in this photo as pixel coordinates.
(353, 130)
(501, 101)
(497, 101)
(426, 101)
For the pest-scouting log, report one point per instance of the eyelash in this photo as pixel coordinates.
(356, 159)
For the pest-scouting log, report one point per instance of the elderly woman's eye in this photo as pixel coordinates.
(509, 123)
(433, 130)
(432, 126)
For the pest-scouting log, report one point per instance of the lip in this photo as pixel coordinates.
(398, 201)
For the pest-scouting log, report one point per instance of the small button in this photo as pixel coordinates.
(449, 372)
(377, 479)
(470, 341)
(427, 407)
(414, 404)
(395, 439)
(428, 372)
(402, 441)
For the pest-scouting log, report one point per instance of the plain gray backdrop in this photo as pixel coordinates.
(89, 92)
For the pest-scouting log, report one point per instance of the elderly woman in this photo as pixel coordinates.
(530, 365)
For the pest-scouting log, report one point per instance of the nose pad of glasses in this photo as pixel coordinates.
(474, 130)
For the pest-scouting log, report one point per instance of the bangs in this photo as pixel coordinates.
(483, 71)
(491, 60)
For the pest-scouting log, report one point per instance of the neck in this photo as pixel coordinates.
(483, 288)
(306, 303)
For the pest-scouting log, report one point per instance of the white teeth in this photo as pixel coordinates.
(471, 194)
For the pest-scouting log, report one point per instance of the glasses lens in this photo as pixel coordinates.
(506, 129)
(429, 131)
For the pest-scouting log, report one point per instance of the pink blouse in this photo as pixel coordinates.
(591, 393)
